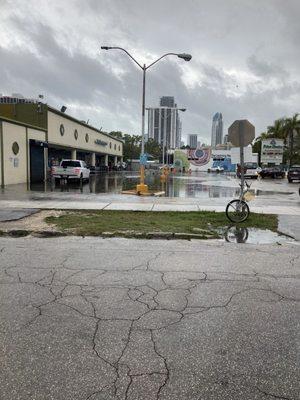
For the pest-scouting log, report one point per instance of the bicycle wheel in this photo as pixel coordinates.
(237, 210)
(235, 234)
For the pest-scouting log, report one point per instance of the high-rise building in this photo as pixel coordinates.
(164, 125)
(217, 130)
(167, 101)
(192, 141)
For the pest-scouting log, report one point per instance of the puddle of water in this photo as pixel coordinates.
(182, 186)
(198, 186)
(236, 234)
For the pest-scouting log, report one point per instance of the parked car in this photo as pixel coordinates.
(216, 169)
(251, 170)
(100, 168)
(294, 173)
(272, 172)
(71, 169)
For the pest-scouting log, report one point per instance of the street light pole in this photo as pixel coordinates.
(142, 188)
(142, 167)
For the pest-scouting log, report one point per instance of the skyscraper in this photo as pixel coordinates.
(217, 130)
(192, 141)
(164, 125)
(167, 101)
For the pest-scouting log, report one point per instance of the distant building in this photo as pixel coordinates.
(16, 98)
(217, 130)
(164, 125)
(167, 101)
(182, 143)
(225, 140)
(192, 141)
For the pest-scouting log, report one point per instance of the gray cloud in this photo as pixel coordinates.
(245, 58)
(265, 69)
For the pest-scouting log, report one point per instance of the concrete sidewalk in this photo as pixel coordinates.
(149, 204)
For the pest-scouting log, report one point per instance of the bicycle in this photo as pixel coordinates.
(237, 210)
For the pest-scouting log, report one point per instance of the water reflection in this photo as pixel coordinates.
(236, 234)
(239, 234)
(114, 183)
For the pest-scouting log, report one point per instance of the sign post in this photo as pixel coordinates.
(241, 133)
(242, 155)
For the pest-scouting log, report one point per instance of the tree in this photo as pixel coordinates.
(131, 147)
(276, 130)
(153, 148)
(287, 129)
(116, 134)
(292, 138)
(256, 147)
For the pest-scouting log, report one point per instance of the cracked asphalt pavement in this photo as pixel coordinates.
(104, 319)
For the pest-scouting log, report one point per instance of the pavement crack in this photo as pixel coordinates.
(167, 371)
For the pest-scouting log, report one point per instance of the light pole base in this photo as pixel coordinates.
(142, 188)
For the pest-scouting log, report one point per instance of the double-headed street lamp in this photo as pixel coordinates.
(186, 57)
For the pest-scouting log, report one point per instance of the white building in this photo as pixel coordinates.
(164, 125)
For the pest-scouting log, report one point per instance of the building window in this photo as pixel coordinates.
(15, 148)
(119, 148)
(76, 134)
(115, 147)
(110, 145)
(86, 137)
(62, 130)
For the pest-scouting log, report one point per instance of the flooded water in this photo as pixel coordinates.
(175, 186)
(236, 234)
(201, 185)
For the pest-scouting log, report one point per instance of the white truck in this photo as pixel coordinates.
(71, 169)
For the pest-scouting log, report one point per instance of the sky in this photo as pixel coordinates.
(246, 59)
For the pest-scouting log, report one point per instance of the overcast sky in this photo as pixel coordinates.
(246, 58)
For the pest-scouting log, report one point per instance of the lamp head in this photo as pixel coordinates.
(105, 47)
(182, 109)
(184, 56)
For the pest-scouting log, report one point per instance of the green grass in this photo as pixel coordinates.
(93, 223)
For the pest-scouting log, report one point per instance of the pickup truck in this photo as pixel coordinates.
(71, 169)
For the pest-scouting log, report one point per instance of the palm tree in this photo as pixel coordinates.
(292, 132)
(276, 130)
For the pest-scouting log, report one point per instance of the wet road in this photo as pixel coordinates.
(105, 319)
(202, 188)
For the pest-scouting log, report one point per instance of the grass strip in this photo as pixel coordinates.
(207, 223)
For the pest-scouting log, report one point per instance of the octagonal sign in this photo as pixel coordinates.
(241, 133)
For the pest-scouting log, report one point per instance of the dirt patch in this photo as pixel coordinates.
(34, 222)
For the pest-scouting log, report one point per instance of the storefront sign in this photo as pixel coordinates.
(100, 142)
(272, 151)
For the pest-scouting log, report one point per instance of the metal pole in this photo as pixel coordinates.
(143, 110)
(241, 134)
(142, 167)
